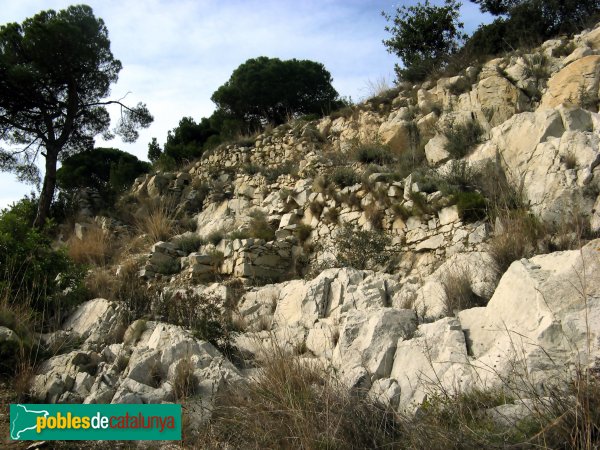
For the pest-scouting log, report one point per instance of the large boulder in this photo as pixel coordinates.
(367, 344)
(434, 359)
(498, 99)
(576, 84)
(543, 319)
(553, 155)
(97, 323)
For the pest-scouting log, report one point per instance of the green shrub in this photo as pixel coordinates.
(239, 234)
(471, 206)
(272, 174)
(361, 249)
(462, 138)
(373, 154)
(215, 237)
(206, 316)
(31, 271)
(344, 177)
(189, 243)
(420, 205)
(259, 227)
(564, 49)
(401, 211)
(410, 160)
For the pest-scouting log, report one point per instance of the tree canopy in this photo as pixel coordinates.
(101, 168)
(423, 36)
(269, 90)
(56, 69)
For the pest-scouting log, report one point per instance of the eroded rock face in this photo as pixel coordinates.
(542, 324)
(97, 323)
(576, 84)
(544, 315)
(367, 344)
(554, 155)
(145, 367)
(436, 357)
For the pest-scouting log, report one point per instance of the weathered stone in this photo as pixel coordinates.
(574, 84)
(435, 150)
(432, 243)
(368, 340)
(386, 392)
(448, 215)
(436, 358)
(98, 322)
(543, 317)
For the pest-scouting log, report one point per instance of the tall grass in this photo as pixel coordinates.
(157, 219)
(96, 247)
(293, 404)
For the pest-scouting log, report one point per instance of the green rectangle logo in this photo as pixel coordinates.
(95, 422)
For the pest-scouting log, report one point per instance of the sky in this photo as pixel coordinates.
(176, 53)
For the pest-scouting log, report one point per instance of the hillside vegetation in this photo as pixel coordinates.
(419, 270)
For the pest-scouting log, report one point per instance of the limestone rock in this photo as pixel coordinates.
(57, 375)
(541, 318)
(435, 150)
(574, 84)
(368, 341)
(436, 358)
(396, 133)
(499, 99)
(533, 146)
(97, 322)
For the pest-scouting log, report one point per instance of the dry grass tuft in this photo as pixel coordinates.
(516, 238)
(459, 293)
(157, 219)
(96, 248)
(293, 404)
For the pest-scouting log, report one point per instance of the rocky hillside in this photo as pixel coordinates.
(392, 244)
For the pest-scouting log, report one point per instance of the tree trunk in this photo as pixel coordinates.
(48, 189)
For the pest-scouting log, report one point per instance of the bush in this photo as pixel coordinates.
(31, 271)
(462, 138)
(272, 174)
(373, 154)
(501, 195)
(189, 243)
(96, 247)
(471, 206)
(157, 220)
(206, 316)
(301, 406)
(458, 292)
(361, 249)
(259, 227)
(344, 177)
(215, 237)
(518, 237)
